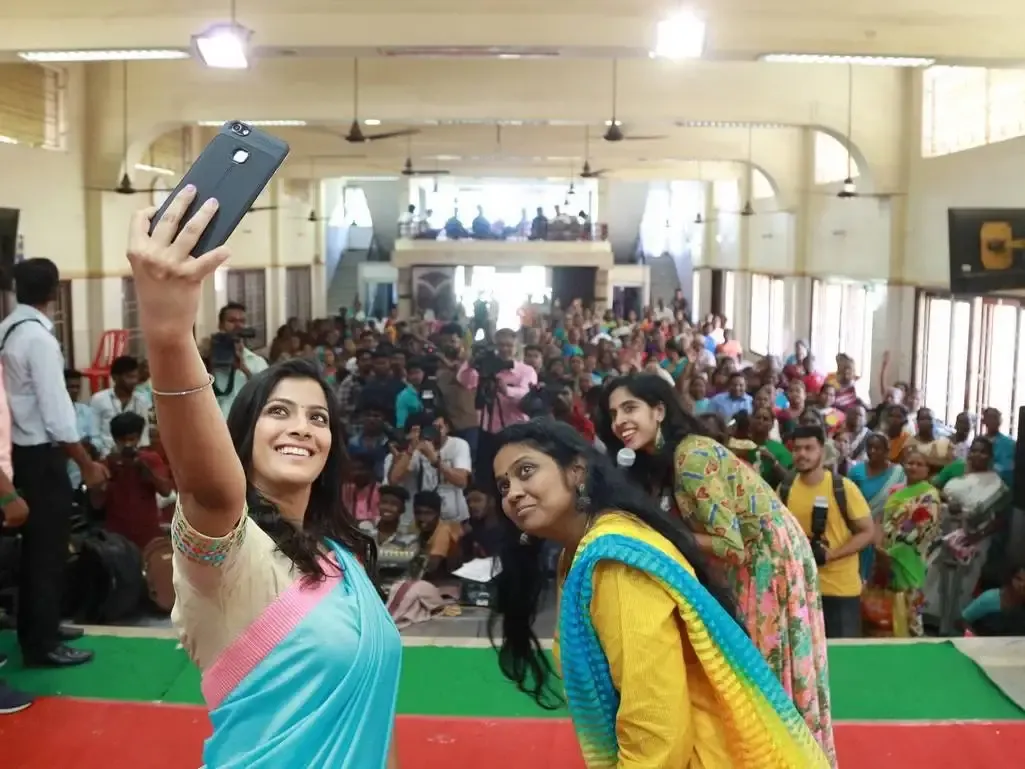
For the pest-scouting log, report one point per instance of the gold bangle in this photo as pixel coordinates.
(209, 382)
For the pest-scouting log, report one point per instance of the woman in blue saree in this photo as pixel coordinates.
(300, 659)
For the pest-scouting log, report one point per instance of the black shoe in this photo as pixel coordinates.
(69, 633)
(11, 700)
(59, 657)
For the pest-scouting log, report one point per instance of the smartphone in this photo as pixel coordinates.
(234, 168)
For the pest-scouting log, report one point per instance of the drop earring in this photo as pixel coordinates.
(524, 538)
(660, 441)
(583, 501)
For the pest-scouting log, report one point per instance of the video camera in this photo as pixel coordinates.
(223, 345)
(485, 360)
(400, 438)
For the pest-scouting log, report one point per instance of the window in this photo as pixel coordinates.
(655, 222)
(971, 356)
(761, 187)
(62, 322)
(729, 289)
(965, 107)
(249, 288)
(130, 317)
(842, 323)
(31, 102)
(355, 208)
(298, 294)
(768, 315)
(833, 162)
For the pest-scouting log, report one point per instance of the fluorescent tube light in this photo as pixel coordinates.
(60, 57)
(681, 36)
(258, 123)
(865, 61)
(372, 121)
(224, 46)
(155, 169)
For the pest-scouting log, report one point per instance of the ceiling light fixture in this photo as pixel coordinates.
(61, 57)
(681, 36)
(864, 61)
(256, 123)
(155, 169)
(726, 124)
(224, 46)
(372, 121)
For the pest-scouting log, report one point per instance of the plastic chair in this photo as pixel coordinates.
(113, 344)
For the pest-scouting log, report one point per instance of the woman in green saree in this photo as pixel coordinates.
(769, 457)
(911, 519)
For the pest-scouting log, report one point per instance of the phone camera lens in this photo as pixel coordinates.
(238, 128)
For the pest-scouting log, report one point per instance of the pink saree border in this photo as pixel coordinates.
(263, 635)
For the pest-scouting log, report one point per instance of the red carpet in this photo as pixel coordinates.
(96, 734)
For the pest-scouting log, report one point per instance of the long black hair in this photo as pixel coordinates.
(650, 469)
(523, 578)
(326, 516)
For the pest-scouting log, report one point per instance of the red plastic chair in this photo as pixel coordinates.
(113, 344)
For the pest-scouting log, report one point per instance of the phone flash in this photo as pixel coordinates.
(240, 156)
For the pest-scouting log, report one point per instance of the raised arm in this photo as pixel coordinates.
(168, 284)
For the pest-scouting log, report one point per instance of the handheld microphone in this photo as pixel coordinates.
(625, 458)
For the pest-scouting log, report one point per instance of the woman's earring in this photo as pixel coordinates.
(524, 538)
(660, 441)
(583, 501)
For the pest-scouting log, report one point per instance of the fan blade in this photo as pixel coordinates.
(391, 134)
(254, 209)
(421, 172)
(644, 138)
(594, 174)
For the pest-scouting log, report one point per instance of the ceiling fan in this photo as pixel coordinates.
(587, 172)
(409, 170)
(125, 186)
(615, 130)
(355, 134)
(848, 187)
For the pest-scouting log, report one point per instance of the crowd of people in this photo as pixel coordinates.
(719, 519)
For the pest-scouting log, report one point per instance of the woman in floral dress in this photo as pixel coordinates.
(761, 550)
(911, 523)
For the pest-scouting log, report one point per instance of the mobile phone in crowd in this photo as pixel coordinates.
(234, 168)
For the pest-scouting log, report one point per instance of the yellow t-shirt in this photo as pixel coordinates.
(840, 579)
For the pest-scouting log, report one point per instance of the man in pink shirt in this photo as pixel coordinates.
(512, 385)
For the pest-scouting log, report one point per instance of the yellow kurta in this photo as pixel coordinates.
(669, 717)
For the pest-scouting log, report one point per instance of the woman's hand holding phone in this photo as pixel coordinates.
(168, 281)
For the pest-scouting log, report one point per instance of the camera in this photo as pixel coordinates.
(819, 515)
(129, 453)
(485, 360)
(396, 437)
(240, 128)
(222, 346)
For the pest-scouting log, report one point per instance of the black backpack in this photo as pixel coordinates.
(839, 494)
(106, 578)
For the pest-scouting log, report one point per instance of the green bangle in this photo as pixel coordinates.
(6, 499)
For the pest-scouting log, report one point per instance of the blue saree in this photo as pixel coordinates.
(311, 683)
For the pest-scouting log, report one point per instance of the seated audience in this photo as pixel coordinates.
(119, 399)
(137, 475)
(439, 540)
(482, 532)
(432, 460)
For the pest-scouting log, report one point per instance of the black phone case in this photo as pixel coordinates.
(236, 186)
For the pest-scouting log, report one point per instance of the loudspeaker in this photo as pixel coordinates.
(8, 246)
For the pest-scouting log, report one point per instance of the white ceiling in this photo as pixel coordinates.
(305, 73)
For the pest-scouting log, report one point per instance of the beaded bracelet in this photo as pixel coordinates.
(180, 393)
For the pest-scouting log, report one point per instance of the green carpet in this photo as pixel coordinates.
(876, 682)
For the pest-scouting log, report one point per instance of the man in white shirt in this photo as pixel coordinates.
(227, 357)
(433, 461)
(122, 397)
(44, 434)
